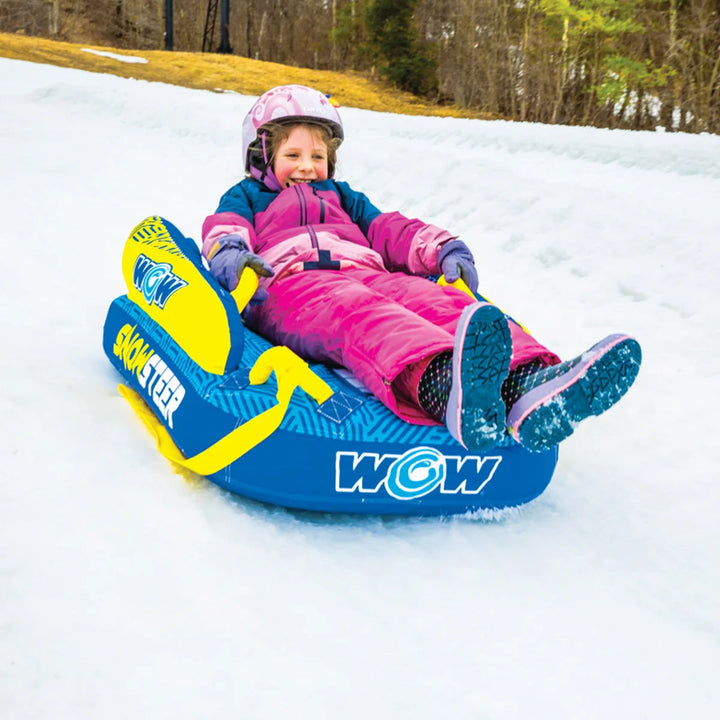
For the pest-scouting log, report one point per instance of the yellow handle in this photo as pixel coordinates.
(459, 284)
(246, 287)
(290, 371)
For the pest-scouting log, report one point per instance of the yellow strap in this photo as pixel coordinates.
(459, 284)
(291, 372)
(246, 287)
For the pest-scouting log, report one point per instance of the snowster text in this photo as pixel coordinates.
(159, 382)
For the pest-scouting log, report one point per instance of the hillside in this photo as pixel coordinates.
(221, 73)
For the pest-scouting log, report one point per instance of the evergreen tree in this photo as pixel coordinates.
(399, 53)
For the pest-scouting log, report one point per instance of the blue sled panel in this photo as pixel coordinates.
(350, 454)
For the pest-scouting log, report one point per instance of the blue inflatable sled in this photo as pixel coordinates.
(257, 420)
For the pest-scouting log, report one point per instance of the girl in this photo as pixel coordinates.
(346, 284)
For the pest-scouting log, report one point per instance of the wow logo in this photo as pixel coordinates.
(156, 281)
(415, 473)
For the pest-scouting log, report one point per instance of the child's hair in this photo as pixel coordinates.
(278, 133)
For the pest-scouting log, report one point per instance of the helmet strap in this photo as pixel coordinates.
(265, 173)
(264, 148)
(267, 178)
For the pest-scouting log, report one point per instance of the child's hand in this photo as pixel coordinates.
(227, 264)
(251, 260)
(456, 261)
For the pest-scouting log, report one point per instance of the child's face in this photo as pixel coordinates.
(301, 158)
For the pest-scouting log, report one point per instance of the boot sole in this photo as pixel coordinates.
(549, 413)
(475, 413)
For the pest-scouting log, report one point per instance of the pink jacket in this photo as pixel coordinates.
(323, 225)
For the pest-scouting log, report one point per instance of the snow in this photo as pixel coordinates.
(129, 590)
(116, 56)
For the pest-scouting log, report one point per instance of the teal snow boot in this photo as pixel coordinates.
(475, 412)
(545, 404)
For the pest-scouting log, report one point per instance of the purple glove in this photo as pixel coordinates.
(456, 261)
(227, 264)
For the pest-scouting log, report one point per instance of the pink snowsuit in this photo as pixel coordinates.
(350, 285)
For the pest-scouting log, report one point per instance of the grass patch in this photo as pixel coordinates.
(211, 71)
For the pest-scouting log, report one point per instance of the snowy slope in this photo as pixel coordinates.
(130, 591)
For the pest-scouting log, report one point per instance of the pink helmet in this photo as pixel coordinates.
(285, 103)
